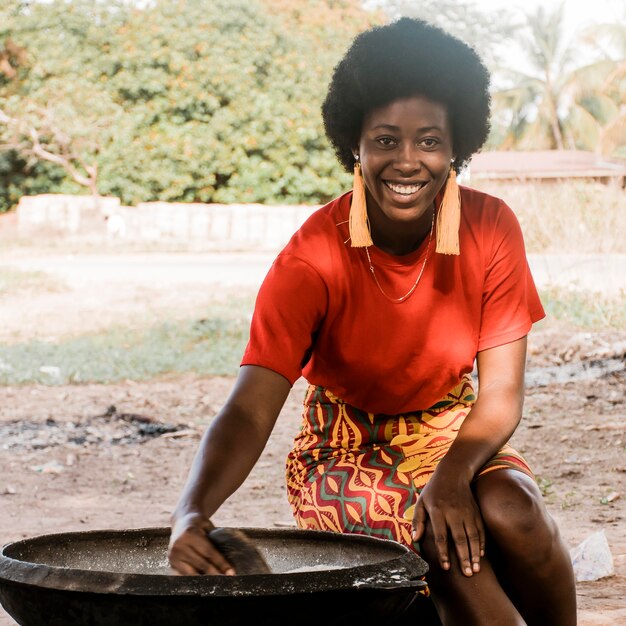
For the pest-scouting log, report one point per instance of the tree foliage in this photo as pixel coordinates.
(181, 100)
(602, 90)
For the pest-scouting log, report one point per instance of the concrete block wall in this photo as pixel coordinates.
(63, 214)
(231, 226)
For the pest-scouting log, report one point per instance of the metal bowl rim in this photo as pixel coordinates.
(404, 567)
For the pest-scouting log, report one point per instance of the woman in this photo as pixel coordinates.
(384, 300)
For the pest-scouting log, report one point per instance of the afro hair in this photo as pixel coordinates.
(406, 58)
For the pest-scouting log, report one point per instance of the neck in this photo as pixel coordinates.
(400, 238)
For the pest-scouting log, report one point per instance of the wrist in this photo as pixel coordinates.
(455, 470)
(187, 514)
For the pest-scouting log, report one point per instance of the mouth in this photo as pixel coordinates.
(405, 189)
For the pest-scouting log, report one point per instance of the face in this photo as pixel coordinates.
(406, 152)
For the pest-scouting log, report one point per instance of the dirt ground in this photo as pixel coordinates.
(115, 456)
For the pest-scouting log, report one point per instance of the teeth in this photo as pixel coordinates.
(405, 190)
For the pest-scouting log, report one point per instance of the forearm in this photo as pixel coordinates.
(227, 453)
(489, 425)
(495, 414)
(224, 459)
(447, 499)
(233, 442)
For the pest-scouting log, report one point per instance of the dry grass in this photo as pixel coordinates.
(570, 217)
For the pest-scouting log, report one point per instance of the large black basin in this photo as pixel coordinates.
(119, 577)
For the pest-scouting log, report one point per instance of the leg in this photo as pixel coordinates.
(525, 548)
(475, 601)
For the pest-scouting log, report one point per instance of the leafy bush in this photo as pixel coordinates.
(181, 101)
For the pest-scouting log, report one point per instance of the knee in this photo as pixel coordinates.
(515, 516)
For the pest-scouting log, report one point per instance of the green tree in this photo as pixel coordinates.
(52, 109)
(215, 106)
(535, 101)
(185, 100)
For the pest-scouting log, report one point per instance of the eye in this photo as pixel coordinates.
(429, 143)
(386, 141)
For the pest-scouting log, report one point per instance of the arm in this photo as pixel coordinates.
(447, 499)
(227, 453)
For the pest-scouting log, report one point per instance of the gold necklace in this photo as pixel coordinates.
(419, 276)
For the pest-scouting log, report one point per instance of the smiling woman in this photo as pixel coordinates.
(395, 442)
(405, 152)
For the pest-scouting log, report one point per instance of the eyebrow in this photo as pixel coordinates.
(397, 128)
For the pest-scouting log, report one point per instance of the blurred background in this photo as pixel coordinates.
(217, 101)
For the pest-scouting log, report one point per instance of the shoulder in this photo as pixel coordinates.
(321, 237)
(477, 202)
(325, 217)
(485, 211)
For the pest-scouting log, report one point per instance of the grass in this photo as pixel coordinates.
(581, 310)
(208, 346)
(573, 217)
(14, 281)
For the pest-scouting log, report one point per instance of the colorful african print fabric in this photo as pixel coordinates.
(356, 472)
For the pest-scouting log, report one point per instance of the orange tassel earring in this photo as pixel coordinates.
(360, 236)
(449, 217)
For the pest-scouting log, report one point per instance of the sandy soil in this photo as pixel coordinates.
(116, 475)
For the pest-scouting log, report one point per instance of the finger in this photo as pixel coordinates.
(461, 544)
(440, 537)
(210, 559)
(183, 569)
(419, 521)
(219, 563)
(481, 534)
(473, 541)
(186, 560)
(204, 555)
(479, 551)
(199, 555)
(201, 565)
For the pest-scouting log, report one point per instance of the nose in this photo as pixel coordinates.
(408, 159)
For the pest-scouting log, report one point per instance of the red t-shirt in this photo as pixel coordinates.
(319, 313)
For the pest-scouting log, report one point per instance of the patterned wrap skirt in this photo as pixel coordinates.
(356, 472)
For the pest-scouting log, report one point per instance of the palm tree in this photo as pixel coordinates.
(558, 104)
(603, 87)
(535, 101)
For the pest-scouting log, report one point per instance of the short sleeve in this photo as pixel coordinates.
(510, 302)
(289, 309)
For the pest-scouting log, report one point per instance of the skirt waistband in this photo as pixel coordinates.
(329, 422)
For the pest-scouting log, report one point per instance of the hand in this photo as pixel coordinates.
(453, 512)
(191, 553)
